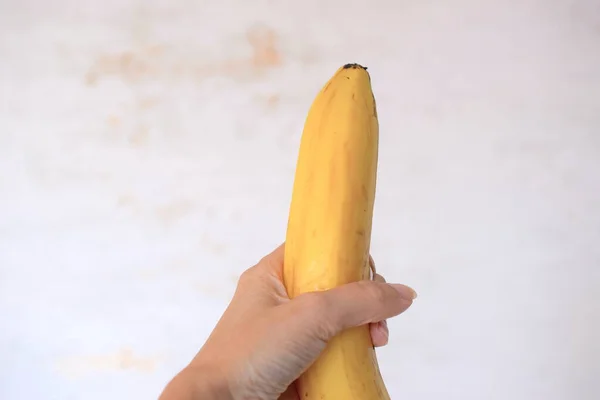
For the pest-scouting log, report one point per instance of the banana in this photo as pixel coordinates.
(329, 227)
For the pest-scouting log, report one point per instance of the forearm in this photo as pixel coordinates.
(194, 383)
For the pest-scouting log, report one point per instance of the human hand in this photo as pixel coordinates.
(264, 341)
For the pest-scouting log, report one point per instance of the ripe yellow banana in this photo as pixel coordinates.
(329, 227)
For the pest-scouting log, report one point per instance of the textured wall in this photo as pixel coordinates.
(147, 151)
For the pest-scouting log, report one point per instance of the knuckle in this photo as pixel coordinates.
(315, 302)
(318, 310)
(247, 275)
(374, 291)
(265, 259)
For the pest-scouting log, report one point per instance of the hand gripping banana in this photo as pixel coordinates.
(329, 227)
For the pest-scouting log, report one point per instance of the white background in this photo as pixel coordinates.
(147, 151)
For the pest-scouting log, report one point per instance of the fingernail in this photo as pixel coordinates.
(405, 292)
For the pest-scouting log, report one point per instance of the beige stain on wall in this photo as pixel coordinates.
(123, 360)
(147, 62)
(126, 200)
(129, 123)
(174, 211)
(154, 62)
(139, 137)
(213, 246)
(147, 103)
(165, 214)
(113, 121)
(269, 102)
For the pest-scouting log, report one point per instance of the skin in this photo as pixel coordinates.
(264, 341)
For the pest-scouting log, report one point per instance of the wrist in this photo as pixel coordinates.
(210, 383)
(198, 383)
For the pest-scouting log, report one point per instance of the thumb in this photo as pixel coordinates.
(358, 303)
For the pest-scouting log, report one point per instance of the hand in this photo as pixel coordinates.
(264, 341)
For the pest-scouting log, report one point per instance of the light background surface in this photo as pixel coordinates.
(147, 151)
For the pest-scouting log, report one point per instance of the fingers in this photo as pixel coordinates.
(272, 264)
(356, 304)
(261, 285)
(372, 266)
(276, 256)
(379, 330)
(379, 333)
(379, 278)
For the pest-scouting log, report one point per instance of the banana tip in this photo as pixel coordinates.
(354, 66)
